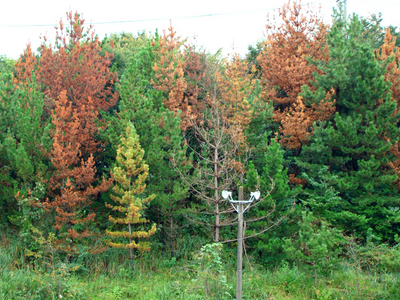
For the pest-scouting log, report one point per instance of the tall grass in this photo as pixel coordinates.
(157, 276)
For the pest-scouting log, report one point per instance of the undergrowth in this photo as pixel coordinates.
(209, 273)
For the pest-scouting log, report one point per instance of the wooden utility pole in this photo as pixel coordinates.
(238, 205)
(240, 245)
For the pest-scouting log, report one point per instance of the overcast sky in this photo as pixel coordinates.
(213, 24)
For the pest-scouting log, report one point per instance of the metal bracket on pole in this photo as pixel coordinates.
(253, 196)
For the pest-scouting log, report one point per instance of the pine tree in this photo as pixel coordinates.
(71, 184)
(355, 144)
(85, 73)
(29, 133)
(236, 87)
(217, 99)
(168, 157)
(375, 32)
(316, 245)
(130, 174)
(170, 78)
(161, 138)
(77, 83)
(7, 180)
(73, 64)
(389, 54)
(278, 207)
(6, 64)
(122, 46)
(24, 138)
(285, 69)
(25, 66)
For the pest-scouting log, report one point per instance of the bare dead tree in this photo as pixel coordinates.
(219, 145)
(220, 163)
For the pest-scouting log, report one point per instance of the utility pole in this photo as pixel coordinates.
(238, 205)
(240, 245)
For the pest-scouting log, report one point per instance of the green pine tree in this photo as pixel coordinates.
(7, 180)
(278, 206)
(355, 144)
(122, 46)
(161, 138)
(316, 244)
(24, 140)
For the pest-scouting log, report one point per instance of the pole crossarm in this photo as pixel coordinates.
(239, 201)
(253, 196)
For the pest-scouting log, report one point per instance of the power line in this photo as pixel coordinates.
(146, 20)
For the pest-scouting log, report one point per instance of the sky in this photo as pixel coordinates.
(211, 24)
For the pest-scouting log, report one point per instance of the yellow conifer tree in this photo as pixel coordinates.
(130, 174)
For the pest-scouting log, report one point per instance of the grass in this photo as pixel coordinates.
(108, 276)
(178, 282)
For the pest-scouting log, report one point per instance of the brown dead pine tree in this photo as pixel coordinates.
(170, 77)
(71, 184)
(74, 65)
(77, 83)
(285, 69)
(390, 51)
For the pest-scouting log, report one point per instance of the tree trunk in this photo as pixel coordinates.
(163, 233)
(72, 244)
(315, 277)
(171, 236)
(216, 239)
(130, 249)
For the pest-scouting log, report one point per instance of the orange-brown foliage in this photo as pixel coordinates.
(71, 183)
(198, 79)
(235, 85)
(196, 67)
(74, 65)
(297, 123)
(285, 69)
(72, 71)
(388, 50)
(25, 66)
(170, 77)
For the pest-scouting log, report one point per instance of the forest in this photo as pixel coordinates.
(114, 154)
